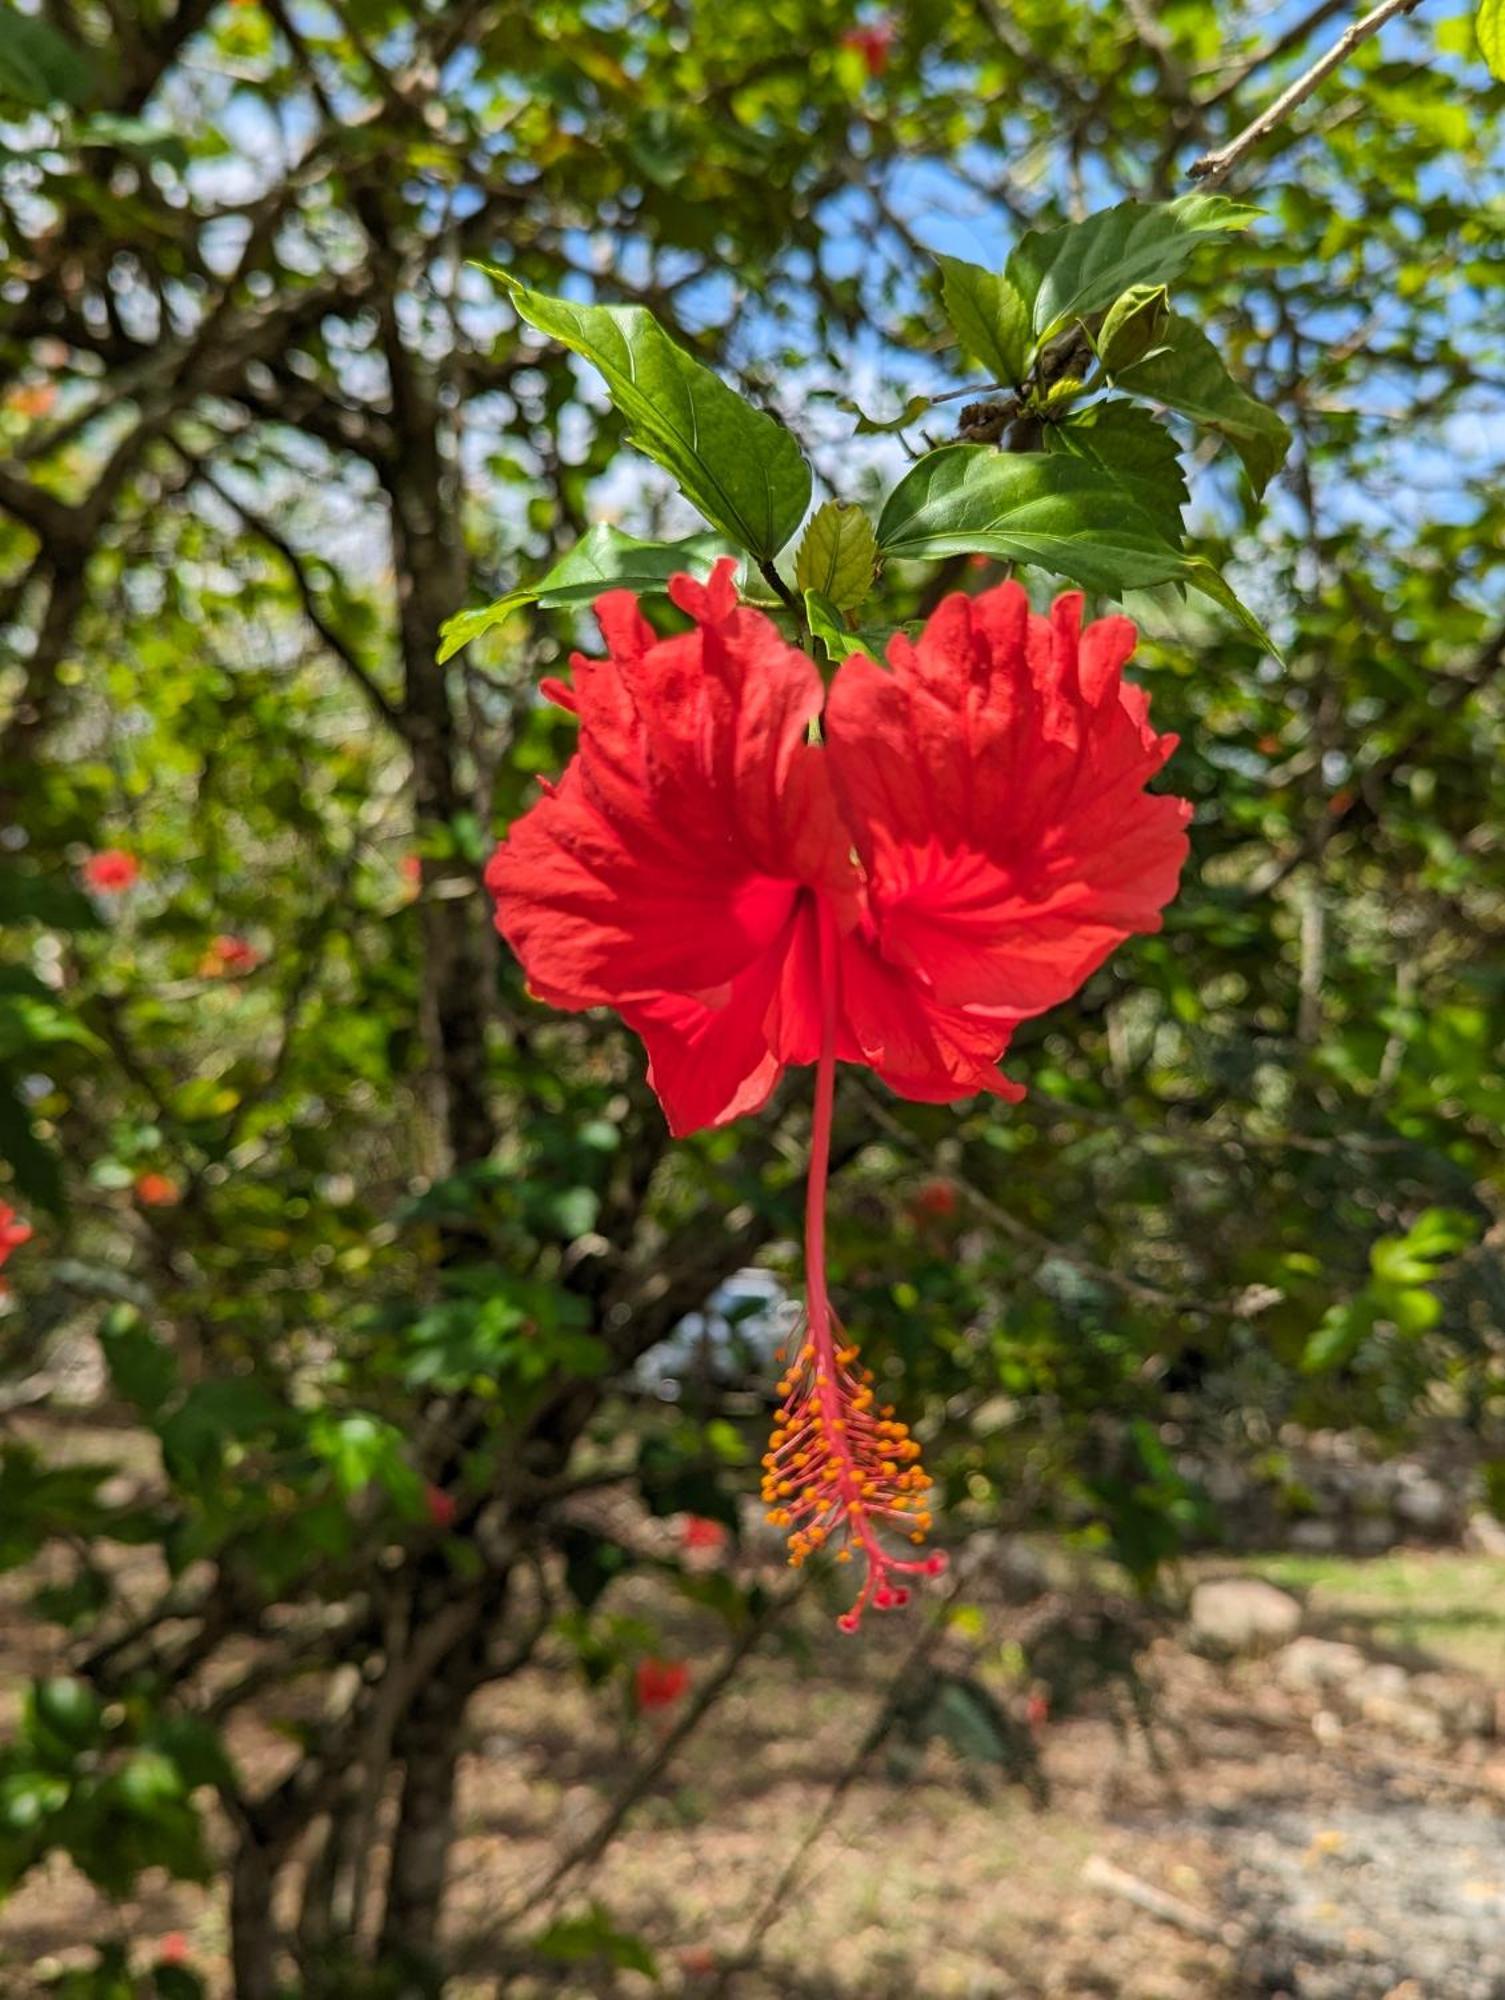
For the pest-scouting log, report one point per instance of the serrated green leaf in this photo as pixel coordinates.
(837, 555)
(737, 464)
(1187, 375)
(989, 317)
(1489, 26)
(604, 558)
(1069, 273)
(1130, 446)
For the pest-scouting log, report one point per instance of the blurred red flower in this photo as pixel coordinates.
(699, 1531)
(969, 840)
(412, 870)
(872, 43)
(173, 1950)
(13, 1233)
(156, 1190)
(660, 1683)
(111, 870)
(440, 1506)
(934, 1202)
(228, 957)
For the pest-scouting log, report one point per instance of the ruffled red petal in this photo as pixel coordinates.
(994, 779)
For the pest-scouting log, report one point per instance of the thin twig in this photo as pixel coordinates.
(1213, 168)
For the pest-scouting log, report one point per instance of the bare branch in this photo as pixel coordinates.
(1213, 168)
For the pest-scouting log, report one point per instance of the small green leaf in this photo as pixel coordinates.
(37, 1169)
(1133, 326)
(837, 555)
(867, 426)
(1489, 26)
(591, 1937)
(142, 1368)
(1082, 268)
(989, 317)
(828, 625)
(1187, 375)
(737, 464)
(603, 559)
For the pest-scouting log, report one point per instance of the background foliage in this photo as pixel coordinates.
(370, 1242)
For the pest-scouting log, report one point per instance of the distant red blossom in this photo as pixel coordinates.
(173, 1950)
(660, 1683)
(412, 870)
(934, 1201)
(699, 1531)
(155, 1190)
(111, 871)
(967, 842)
(13, 1233)
(872, 43)
(228, 957)
(441, 1507)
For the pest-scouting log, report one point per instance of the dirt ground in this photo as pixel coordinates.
(1229, 1835)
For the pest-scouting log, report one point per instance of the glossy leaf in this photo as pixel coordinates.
(989, 316)
(737, 464)
(603, 559)
(1068, 273)
(1187, 375)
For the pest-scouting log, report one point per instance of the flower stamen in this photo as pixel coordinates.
(840, 1466)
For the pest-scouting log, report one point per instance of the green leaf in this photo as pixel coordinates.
(1489, 26)
(867, 426)
(38, 67)
(1129, 446)
(592, 1937)
(1082, 268)
(1133, 327)
(603, 559)
(989, 317)
(1188, 376)
(38, 1171)
(1031, 507)
(837, 555)
(1053, 510)
(28, 898)
(828, 625)
(143, 1369)
(737, 464)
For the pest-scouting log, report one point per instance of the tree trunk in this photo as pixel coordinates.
(254, 1944)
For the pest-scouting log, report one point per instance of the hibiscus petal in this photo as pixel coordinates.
(995, 780)
(711, 1064)
(921, 1049)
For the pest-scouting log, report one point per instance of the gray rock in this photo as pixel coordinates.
(1318, 1666)
(1242, 1614)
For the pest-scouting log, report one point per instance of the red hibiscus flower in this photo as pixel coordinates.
(659, 1683)
(111, 871)
(228, 957)
(156, 1190)
(13, 1233)
(872, 43)
(934, 1202)
(968, 841)
(698, 1531)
